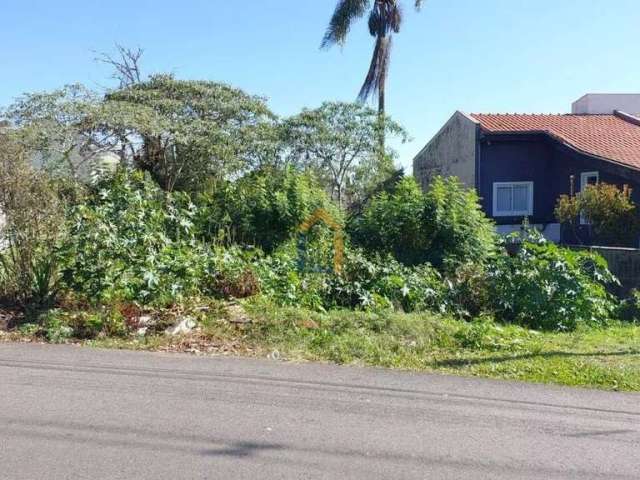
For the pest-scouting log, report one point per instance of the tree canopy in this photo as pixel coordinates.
(190, 134)
(337, 141)
(180, 131)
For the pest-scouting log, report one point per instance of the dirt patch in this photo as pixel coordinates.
(9, 318)
(199, 344)
(236, 315)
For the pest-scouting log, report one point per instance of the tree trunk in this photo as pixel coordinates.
(381, 111)
(381, 126)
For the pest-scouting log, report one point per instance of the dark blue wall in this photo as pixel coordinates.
(546, 162)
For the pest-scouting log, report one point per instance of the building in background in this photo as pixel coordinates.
(521, 163)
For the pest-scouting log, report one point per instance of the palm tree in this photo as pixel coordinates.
(385, 19)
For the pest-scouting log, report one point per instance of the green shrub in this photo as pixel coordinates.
(468, 294)
(33, 209)
(84, 324)
(264, 208)
(458, 229)
(379, 280)
(29, 329)
(544, 286)
(629, 308)
(444, 226)
(368, 283)
(56, 329)
(29, 275)
(610, 212)
(61, 324)
(298, 273)
(393, 223)
(283, 282)
(113, 323)
(130, 241)
(230, 273)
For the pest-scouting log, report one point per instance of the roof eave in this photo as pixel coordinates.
(562, 141)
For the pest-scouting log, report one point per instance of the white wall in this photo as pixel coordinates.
(550, 231)
(606, 103)
(451, 152)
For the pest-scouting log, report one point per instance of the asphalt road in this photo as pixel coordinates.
(74, 413)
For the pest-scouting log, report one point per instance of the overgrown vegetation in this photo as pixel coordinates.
(544, 286)
(204, 207)
(262, 208)
(443, 226)
(130, 241)
(32, 205)
(127, 240)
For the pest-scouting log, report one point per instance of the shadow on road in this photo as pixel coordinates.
(242, 449)
(600, 433)
(463, 362)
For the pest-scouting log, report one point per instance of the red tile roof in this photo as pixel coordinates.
(607, 136)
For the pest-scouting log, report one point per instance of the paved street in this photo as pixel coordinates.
(77, 413)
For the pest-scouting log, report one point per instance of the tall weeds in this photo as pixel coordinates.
(32, 224)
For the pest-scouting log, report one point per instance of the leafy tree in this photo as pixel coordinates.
(56, 129)
(610, 214)
(182, 132)
(337, 142)
(444, 226)
(385, 19)
(263, 208)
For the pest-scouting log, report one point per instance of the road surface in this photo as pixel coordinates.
(77, 413)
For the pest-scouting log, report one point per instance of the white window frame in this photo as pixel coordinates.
(512, 213)
(584, 178)
(584, 181)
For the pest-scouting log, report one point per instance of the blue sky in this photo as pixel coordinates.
(477, 56)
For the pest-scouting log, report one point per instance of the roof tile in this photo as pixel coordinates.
(607, 136)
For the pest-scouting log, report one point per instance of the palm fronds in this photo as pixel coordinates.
(346, 12)
(385, 19)
(378, 69)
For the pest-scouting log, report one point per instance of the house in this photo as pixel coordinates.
(521, 163)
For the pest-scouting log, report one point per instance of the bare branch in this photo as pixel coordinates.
(126, 65)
